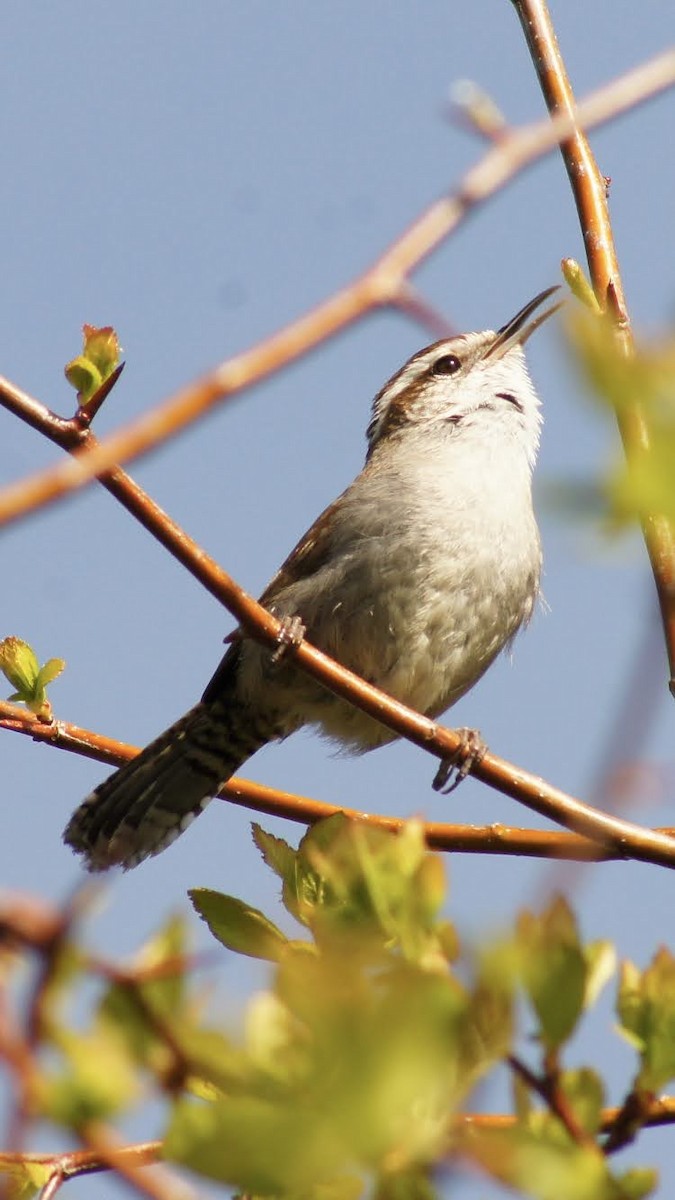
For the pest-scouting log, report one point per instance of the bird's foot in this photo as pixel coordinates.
(289, 637)
(453, 769)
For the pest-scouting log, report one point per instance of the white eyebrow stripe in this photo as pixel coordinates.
(403, 379)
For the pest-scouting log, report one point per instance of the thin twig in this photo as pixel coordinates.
(73, 1163)
(18, 1055)
(468, 839)
(173, 1079)
(622, 837)
(547, 1087)
(613, 774)
(158, 1184)
(661, 1112)
(52, 1186)
(589, 190)
(379, 286)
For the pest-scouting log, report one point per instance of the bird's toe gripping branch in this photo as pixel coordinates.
(453, 769)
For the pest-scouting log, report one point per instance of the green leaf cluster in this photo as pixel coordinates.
(646, 1008)
(366, 1043)
(354, 1066)
(20, 666)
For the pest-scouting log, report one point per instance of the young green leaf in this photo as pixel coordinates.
(238, 926)
(262, 1147)
(578, 284)
(585, 1093)
(19, 665)
(21, 1180)
(646, 1010)
(536, 1162)
(636, 1183)
(554, 970)
(96, 1080)
(99, 358)
(276, 853)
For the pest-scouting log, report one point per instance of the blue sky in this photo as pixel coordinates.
(198, 177)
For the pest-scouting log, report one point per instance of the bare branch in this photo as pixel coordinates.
(381, 285)
(467, 839)
(589, 190)
(661, 1112)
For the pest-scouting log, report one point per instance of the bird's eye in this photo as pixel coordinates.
(447, 364)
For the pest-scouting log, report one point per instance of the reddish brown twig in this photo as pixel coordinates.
(622, 837)
(547, 1087)
(468, 839)
(381, 285)
(72, 1163)
(661, 1112)
(157, 1184)
(590, 194)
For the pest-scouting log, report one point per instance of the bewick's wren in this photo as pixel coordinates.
(415, 577)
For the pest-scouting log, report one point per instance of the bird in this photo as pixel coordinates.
(415, 577)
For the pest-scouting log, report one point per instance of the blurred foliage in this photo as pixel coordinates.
(353, 1068)
(644, 481)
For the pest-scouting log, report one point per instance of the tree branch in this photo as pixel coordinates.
(590, 195)
(383, 284)
(467, 839)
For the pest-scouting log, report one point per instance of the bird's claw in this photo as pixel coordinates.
(453, 769)
(290, 636)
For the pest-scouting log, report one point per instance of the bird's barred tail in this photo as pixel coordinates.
(151, 800)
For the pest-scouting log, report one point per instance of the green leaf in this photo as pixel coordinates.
(636, 1183)
(340, 1187)
(373, 886)
(644, 482)
(97, 1080)
(271, 1033)
(578, 284)
(600, 967)
(540, 1165)
(646, 1010)
(585, 1093)
(19, 664)
(254, 1145)
(554, 970)
(100, 356)
(50, 671)
(283, 860)
(23, 1179)
(238, 926)
(84, 376)
(159, 990)
(405, 1185)
(216, 1065)
(276, 853)
(487, 1033)
(167, 947)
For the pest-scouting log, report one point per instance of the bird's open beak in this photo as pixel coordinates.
(520, 328)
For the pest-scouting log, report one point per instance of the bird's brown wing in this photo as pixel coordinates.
(306, 558)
